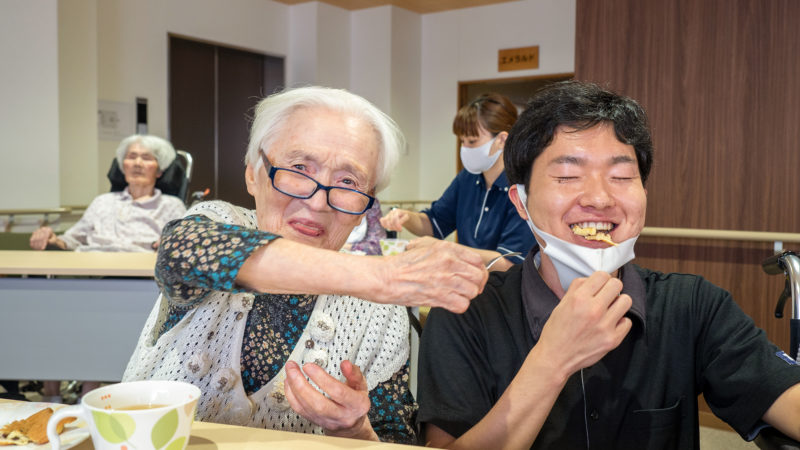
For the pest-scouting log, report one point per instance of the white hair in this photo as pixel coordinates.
(160, 148)
(273, 112)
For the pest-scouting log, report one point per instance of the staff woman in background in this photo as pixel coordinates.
(476, 203)
(256, 303)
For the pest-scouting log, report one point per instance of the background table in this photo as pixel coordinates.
(82, 325)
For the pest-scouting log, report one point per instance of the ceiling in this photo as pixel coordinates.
(419, 6)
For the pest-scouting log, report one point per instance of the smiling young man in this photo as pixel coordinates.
(578, 347)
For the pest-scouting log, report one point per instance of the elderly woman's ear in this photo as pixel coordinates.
(250, 180)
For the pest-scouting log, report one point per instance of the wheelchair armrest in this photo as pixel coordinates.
(771, 439)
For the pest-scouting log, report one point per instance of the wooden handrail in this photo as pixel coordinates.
(731, 235)
(11, 213)
(395, 202)
(35, 211)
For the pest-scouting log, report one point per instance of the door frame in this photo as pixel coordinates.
(464, 97)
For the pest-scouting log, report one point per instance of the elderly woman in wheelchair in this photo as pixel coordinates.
(129, 220)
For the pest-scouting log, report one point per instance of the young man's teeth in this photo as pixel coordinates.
(596, 225)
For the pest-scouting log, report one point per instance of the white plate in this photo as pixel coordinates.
(74, 433)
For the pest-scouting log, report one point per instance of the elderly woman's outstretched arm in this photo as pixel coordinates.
(444, 274)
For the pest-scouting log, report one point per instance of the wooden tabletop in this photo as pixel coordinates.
(110, 264)
(215, 436)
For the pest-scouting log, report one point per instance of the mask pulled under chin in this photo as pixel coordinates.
(574, 261)
(477, 160)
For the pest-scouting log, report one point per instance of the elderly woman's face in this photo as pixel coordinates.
(332, 148)
(140, 166)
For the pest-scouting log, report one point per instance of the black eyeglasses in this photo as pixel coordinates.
(299, 185)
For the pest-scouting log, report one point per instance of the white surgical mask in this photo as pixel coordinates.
(573, 261)
(477, 159)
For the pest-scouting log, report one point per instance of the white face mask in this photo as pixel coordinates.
(573, 261)
(477, 160)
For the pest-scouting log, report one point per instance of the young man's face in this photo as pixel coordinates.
(587, 178)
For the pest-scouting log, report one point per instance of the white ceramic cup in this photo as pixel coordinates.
(162, 418)
(393, 246)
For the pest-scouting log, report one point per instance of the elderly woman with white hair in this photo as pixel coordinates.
(130, 220)
(258, 305)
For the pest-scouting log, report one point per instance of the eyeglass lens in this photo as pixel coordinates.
(299, 185)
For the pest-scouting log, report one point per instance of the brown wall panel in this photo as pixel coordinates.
(719, 82)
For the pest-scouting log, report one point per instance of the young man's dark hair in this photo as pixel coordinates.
(577, 106)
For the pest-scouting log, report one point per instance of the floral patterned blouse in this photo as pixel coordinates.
(206, 256)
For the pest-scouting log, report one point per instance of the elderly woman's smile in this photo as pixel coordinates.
(333, 149)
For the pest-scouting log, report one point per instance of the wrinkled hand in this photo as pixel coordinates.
(343, 412)
(422, 242)
(394, 219)
(42, 237)
(588, 322)
(432, 272)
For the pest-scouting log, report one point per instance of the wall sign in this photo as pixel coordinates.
(115, 120)
(518, 58)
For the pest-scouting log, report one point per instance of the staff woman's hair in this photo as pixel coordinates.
(494, 112)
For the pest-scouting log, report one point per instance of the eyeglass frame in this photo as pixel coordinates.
(272, 170)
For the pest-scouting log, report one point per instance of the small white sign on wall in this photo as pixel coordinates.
(115, 120)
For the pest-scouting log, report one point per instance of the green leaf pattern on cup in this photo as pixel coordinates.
(164, 429)
(177, 444)
(114, 427)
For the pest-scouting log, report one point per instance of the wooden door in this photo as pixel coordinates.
(213, 92)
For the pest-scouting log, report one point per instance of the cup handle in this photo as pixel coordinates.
(69, 411)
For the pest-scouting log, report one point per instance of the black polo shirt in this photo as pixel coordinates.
(688, 338)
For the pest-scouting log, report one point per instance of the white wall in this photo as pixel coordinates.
(29, 158)
(133, 47)
(462, 45)
(406, 73)
(77, 93)
(408, 64)
(333, 44)
(301, 62)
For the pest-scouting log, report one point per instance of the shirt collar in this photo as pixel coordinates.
(501, 183)
(126, 195)
(539, 301)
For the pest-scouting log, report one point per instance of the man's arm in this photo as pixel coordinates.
(784, 414)
(588, 323)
